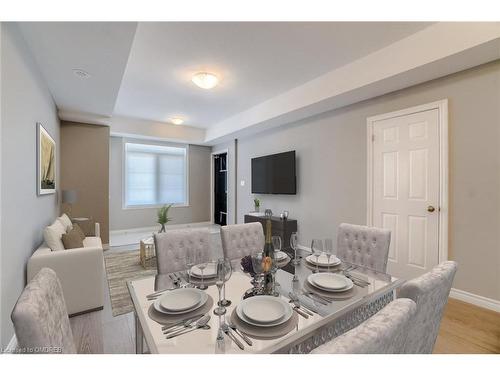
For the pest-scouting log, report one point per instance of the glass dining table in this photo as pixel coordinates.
(327, 321)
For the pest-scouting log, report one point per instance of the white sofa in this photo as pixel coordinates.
(81, 272)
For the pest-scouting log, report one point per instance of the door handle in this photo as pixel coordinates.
(431, 209)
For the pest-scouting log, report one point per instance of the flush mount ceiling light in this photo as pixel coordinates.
(176, 121)
(205, 80)
(80, 73)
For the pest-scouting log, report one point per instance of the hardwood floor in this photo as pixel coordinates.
(466, 328)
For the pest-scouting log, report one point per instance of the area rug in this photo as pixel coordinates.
(120, 268)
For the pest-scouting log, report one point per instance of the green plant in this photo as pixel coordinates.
(256, 202)
(163, 216)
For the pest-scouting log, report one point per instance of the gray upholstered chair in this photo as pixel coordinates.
(366, 246)
(171, 248)
(40, 317)
(240, 240)
(384, 333)
(430, 292)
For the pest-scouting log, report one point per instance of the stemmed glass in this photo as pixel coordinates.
(328, 250)
(228, 271)
(276, 240)
(202, 264)
(293, 244)
(317, 248)
(190, 262)
(219, 282)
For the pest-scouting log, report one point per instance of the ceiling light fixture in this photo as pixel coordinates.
(80, 73)
(177, 121)
(205, 80)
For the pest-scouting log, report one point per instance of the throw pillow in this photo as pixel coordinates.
(53, 234)
(72, 239)
(79, 231)
(65, 221)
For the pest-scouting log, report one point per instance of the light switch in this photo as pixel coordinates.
(242, 182)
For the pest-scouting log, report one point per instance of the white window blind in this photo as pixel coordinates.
(155, 175)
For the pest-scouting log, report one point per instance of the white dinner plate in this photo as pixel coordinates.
(181, 300)
(323, 260)
(330, 282)
(264, 309)
(209, 271)
(280, 255)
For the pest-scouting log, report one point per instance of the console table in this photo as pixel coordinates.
(282, 228)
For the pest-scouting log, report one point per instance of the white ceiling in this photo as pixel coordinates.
(100, 48)
(256, 61)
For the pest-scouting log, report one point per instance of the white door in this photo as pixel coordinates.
(405, 195)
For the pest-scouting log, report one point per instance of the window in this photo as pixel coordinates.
(155, 175)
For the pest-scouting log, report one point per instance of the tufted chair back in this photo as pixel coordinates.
(171, 248)
(40, 317)
(384, 333)
(240, 240)
(366, 246)
(430, 292)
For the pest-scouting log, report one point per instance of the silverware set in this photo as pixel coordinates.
(187, 326)
(355, 279)
(228, 328)
(178, 281)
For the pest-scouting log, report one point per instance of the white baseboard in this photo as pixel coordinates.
(155, 228)
(487, 303)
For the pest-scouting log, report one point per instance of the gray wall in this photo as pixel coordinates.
(25, 101)
(231, 168)
(199, 192)
(331, 156)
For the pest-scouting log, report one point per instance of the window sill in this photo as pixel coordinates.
(154, 206)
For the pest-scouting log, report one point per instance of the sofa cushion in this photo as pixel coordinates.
(66, 222)
(53, 234)
(92, 242)
(79, 230)
(72, 239)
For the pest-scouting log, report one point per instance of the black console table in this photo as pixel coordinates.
(282, 228)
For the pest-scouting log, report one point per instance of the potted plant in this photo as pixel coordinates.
(163, 217)
(256, 203)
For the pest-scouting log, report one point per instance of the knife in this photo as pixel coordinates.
(233, 337)
(301, 313)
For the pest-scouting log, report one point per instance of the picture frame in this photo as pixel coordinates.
(46, 162)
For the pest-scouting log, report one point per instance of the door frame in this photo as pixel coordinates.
(442, 107)
(212, 198)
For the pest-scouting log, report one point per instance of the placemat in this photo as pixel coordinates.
(265, 333)
(169, 318)
(337, 296)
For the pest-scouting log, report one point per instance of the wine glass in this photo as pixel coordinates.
(328, 250)
(202, 264)
(219, 282)
(293, 244)
(190, 262)
(276, 240)
(317, 249)
(228, 271)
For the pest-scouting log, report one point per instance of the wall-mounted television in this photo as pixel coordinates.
(274, 174)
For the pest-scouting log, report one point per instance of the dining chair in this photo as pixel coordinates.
(172, 246)
(40, 317)
(384, 333)
(365, 246)
(240, 240)
(430, 292)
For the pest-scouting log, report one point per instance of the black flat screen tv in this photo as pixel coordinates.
(274, 174)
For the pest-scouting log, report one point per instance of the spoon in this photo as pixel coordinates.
(202, 323)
